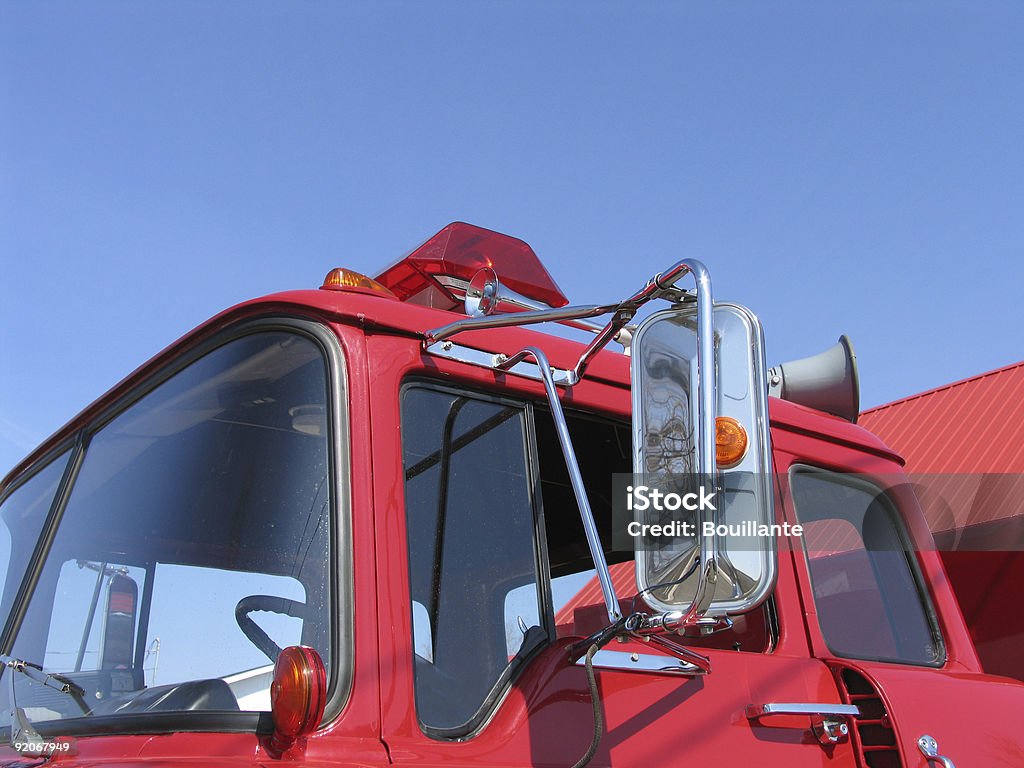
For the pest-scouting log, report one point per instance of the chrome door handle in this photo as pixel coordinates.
(829, 722)
(930, 749)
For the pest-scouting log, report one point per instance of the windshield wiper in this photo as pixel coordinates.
(21, 726)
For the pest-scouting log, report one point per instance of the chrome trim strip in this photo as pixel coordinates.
(452, 351)
(641, 662)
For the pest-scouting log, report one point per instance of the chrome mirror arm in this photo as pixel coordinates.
(562, 429)
(517, 318)
(661, 285)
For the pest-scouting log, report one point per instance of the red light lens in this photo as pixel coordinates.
(460, 251)
(298, 693)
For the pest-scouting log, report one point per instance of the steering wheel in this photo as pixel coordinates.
(254, 631)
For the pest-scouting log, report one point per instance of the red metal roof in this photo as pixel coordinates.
(974, 425)
(964, 447)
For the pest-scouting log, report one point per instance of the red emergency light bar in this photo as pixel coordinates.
(438, 272)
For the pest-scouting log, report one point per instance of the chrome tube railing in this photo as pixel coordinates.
(661, 285)
(517, 318)
(707, 466)
(587, 516)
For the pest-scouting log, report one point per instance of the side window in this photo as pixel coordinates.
(472, 554)
(23, 514)
(869, 604)
(195, 542)
(604, 448)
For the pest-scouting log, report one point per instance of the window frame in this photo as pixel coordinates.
(878, 491)
(339, 575)
(71, 448)
(499, 690)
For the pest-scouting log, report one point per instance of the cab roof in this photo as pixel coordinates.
(381, 313)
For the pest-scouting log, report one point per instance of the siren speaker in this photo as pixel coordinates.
(826, 382)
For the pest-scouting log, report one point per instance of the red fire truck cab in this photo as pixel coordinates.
(385, 522)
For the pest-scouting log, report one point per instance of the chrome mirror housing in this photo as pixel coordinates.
(670, 454)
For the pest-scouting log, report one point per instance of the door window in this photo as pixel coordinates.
(868, 598)
(472, 558)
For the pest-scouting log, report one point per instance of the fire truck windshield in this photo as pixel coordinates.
(193, 544)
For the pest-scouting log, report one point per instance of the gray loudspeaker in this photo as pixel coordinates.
(826, 382)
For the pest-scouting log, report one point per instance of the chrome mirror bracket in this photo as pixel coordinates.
(682, 623)
(701, 663)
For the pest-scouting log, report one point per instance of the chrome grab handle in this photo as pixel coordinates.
(829, 722)
(847, 711)
(930, 749)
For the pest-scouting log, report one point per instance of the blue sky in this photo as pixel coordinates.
(841, 167)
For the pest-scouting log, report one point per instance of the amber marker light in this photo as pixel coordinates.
(730, 442)
(297, 695)
(341, 279)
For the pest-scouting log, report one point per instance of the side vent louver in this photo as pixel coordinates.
(874, 739)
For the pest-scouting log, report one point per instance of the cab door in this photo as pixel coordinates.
(880, 614)
(474, 670)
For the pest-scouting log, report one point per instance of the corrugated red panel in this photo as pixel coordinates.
(964, 446)
(971, 426)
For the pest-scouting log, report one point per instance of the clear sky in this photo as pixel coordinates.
(841, 167)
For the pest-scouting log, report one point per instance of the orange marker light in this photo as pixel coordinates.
(730, 442)
(297, 695)
(341, 279)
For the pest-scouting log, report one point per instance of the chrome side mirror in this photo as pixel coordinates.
(666, 456)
